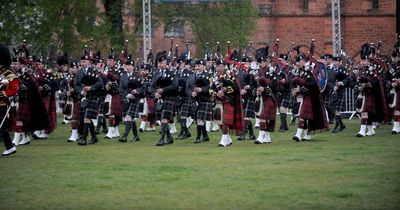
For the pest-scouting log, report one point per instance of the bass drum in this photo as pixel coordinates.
(323, 79)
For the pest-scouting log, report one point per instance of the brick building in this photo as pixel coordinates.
(299, 21)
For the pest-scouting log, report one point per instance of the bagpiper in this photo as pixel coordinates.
(165, 84)
(308, 104)
(87, 85)
(132, 92)
(198, 87)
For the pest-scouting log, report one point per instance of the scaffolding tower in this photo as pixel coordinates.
(336, 28)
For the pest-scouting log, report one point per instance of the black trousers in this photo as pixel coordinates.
(5, 135)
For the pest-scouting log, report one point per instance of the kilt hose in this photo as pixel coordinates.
(116, 105)
(269, 109)
(285, 100)
(92, 108)
(249, 105)
(134, 109)
(204, 111)
(186, 107)
(306, 110)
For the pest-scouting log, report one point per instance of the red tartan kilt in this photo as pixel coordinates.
(397, 107)
(306, 111)
(75, 114)
(46, 101)
(23, 112)
(228, 114)
(116, 103)
(369, 105)
(269, 111)
(150, 105)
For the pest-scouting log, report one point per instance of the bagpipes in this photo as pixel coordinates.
(123, 56)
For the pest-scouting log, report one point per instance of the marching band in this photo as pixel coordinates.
(217, 92)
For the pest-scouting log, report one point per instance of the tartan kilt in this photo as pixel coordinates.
(151, 107)
(249, 108)
(269, 109)
(91, 111)
(168, 110)
(228, 114)
(116, 105)
(101, 104)
(340, 103)
(204, 111)
(369, 105)
(186, 107)
(23, 112)
(285, 100)
(306, 110)
(75, 113)
(133, 109)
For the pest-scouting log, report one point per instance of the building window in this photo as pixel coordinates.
(375, 4)
(264, 10)
(175, 28)
(304, 5)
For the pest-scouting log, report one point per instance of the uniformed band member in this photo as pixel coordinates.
(87, 85)
(185, 98)
(394, 84)
(198, 86)
(132, 93)
(165, 84)
(8, 88)
(308, 101)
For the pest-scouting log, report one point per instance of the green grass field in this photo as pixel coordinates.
(333, 171)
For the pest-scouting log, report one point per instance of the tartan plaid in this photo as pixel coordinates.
(23, 112)
(50, 104)
(101, 104)
(306, 109)
(186, 107)
(397, 107)
(269, 109)
(116, 105)
(150, 105)
(168, 110)
(133, 109)
(249, 107)
(285, 100)
(369, 105)
(75, 111)
(91, 111)
(228, 114)
(340, 103)
(204, 111)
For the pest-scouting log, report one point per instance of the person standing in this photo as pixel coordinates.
(8, 88)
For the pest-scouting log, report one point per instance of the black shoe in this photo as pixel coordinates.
(140, 130)
(82, 142)
(359, 135)
(188, 134)
(197, 141)
(136, 138)
(241, 138)
(94, 141)
(252, 137)
(341, 128)
(180, 136)
(394, 132)
(170, 141)
(160, 143)
(123, 139)
(205, 139)
(97, 131)
(336, 130)
(296, 138)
